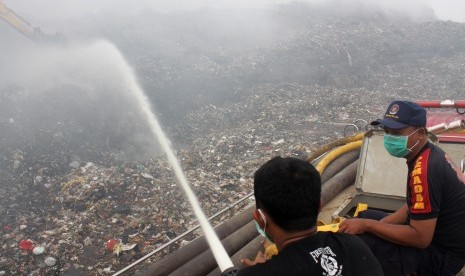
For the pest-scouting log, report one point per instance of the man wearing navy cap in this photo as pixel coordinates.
(427, 235)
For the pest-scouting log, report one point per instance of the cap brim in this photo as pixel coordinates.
(388, 123)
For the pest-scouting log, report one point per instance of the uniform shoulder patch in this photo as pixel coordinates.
(418, 184)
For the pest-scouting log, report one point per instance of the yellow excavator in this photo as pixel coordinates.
(24, 27)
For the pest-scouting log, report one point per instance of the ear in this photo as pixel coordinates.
(424, 131)
(258, 218)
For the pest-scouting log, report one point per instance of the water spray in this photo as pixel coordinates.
(221, 256)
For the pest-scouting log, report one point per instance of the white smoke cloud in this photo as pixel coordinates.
(62, 9)
(90, 85)
(453, 10)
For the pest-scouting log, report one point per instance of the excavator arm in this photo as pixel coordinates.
(26, 28)
(17, 22)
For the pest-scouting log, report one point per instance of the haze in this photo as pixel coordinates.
(49, 10)
(232, 83)
(187, 53)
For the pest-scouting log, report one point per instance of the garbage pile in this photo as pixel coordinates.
(97, 218)
(82, 210)
(425, 58)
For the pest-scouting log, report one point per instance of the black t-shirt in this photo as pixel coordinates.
(436, 189)
(323, 253)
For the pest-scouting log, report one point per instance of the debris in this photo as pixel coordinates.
(38, 250)
(87, 241)
(126, 247)
(117, 248)
(26, 245)
(146, 175)
(111, 244)
(74, 164)
(74, 195)
(50, 261)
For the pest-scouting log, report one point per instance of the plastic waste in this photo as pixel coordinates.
(111, 244)
(38, 250)
(26, 245)
(50, 261)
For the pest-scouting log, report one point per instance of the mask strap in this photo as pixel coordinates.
(263, 218)
(413, 132)
(410, 149)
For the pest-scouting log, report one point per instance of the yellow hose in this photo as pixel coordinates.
(333, 144)
(330, 157)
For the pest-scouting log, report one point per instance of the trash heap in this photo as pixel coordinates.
(97, 217)
(77, 208)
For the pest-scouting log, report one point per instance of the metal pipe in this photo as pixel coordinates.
(249, 251)
(329, 189)
(337, 183)
(204, 263)
(340, 163)
(442, 104)
(443, 127)
(186, 253)
(219, 231)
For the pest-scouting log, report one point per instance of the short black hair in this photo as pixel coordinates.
(289, 190)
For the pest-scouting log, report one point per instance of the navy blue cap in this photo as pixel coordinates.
(400, 114)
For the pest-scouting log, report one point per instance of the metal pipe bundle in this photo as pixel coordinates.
(340, 163)
(204, 263)
(238, 234)
(196, 247)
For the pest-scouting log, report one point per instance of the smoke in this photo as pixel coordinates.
(412, 10)
(47, 11)
(187, 48)
(72, 98)
(449, 9)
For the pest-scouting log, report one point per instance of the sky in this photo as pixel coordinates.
(453, 10)
(444, 9)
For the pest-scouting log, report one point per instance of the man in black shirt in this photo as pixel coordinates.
(287, 194)
(427, 235)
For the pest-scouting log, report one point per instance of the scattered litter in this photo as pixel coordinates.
(26, 245)
(111, 244)
(77, 199)
(127, 247)
(146, 175)
(50, 261)
(38, 250)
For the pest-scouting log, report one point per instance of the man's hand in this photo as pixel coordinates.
(260, 258)
(418, 233)
(353, 226)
